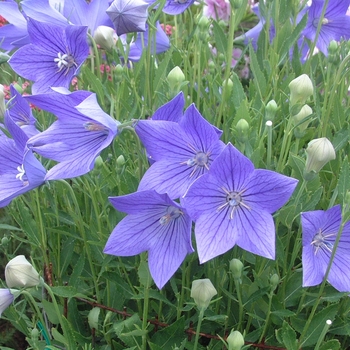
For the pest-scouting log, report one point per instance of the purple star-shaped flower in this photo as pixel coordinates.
(21, 113)
(6, 299)
(53, 58)
(81, 132)
(182, 151)
(232, 204)
(160, 45)
(172, 110)
(155, 224)
(335, 24)
(174, 7)
(320, 229)
(20, 171)
(128, 15)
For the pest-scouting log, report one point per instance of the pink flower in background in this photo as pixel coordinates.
(217, 9)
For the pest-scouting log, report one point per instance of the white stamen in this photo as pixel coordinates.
(21, 172)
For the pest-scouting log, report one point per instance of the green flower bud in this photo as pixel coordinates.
(175, 80)
(202, 292)
(120, 161)
(229, 86)
(4, 240)
(118, 72)
(318, 153)
(242, 130)
(235, 341)
(2, 101)
(271, 110)
(274, 280)
(93, 317)
(35, 334)
(236, 268)
(104, 37)
(333, 47)
(301, 89)
(212, 67)
(203, 24)
(221, 58)
(298, 121)
(19, 273)
(98, 162)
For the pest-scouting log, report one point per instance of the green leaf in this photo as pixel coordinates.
(330, 345)
(344, 183)
(144, 274)
(259, 77)
(9, 227)
(220, 38)
(287, 336)
(170, 336)
(64, 292)
(95, 84)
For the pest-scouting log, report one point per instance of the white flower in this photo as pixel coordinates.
(19, 273)
(202, 291)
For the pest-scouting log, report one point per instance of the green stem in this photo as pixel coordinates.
(240, 302)
(200, 319)
(267, 321)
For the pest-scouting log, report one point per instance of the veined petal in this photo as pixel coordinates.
(268, 190)
(172, 110)
(175, 7)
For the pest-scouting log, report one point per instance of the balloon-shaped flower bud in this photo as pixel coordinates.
(19, 273)
(202, 292)
(242, 130)
(105, 37)
(318, 153)
(236, 268)
(297, 119)
(270, 110)
(175, 79)
(301, 89)
(274, 280)
(235, 341)
(93, 317)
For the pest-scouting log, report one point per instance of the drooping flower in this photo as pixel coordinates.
(155, 224)
(335, 23)
(54, 56)
(14, 34)
(81, 132)
(78, 12)
(128, 15)
(320, 229)
(21, 113)
(6, 299)
(159, 43)
(182, 151)
(232, 204)
(20, 273)
(20, 171)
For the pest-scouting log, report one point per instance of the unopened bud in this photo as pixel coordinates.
(236, 268)
(2, 101)
(318, 153)
(242, 130)
(271, 110)
(274, 280)
(19, 273)
(203, 24)
(235, 341)
(202, 292)
(333, 47)
(118, 71)
(93, 317)
(104, 37)
(301, 89)
(98, 162)
(298, 120)
(4, 241)
(175, 80)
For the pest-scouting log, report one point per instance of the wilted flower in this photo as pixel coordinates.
(232, 204)
(155, 224)
(320, 230)
(235, 341)
(54, 56)
(128, 16)
(202, 292)
(104, 37)
(20, 273)
(301, 89)
(318, 153)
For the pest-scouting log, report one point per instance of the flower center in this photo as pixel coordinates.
(320, 241)
(171, 214)
(199, 161)
(233, 201)
(22, 175)
(65, 61)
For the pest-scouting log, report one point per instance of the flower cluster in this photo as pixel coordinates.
(218, 188)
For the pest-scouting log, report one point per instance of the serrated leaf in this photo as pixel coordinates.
(259, 77)
(170, 336)
(330, 345)
(344, 183)
(220, 38)
(289, 337)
